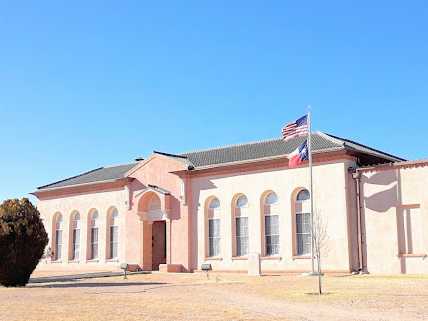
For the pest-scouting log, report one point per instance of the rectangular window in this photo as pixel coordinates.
(94, 243)
(241, 236)
(214, 237)
(303, 233)
(114, 241)
(76, 244)
(272, 234)
(58, 247)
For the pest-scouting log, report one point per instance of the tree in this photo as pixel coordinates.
(22, 241)
(320, 239)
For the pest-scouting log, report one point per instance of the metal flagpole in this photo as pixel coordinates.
(311, 187)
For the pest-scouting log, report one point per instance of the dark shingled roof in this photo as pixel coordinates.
(96, 175)
(321, 142)
(276, 147)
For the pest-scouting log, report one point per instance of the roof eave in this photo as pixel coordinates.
(415, 163)
(375, 152)
(115, 180)
(68, 178)
(387, 157)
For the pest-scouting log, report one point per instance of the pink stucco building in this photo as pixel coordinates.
(175, 212)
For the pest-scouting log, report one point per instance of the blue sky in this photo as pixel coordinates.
(91, 83)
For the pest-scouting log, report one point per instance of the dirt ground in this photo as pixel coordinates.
(222, 297)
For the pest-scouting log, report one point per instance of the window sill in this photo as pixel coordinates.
(272, 257)
(73, 261)
(56, 261)
(112, 260)
(214, 258)
(301, 257)
(423, 255)
(93, 261)
(239, 258)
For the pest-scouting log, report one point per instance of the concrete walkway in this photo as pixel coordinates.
(80, 276)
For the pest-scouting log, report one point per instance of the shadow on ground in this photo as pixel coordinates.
(93, 284)
(317, 294)
(80, 276)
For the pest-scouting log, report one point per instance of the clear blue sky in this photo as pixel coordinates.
(91, 83)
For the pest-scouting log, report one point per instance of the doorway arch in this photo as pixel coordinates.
(153, 230)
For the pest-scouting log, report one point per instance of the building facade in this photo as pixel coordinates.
(176, 212)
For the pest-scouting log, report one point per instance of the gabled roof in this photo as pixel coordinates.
(321, 142)
(100, 174)
(222, 156)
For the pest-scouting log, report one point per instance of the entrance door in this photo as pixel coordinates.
(158, 244)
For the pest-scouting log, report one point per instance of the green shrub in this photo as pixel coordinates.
(22, 241)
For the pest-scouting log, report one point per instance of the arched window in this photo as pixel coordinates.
(113, 233)
(75, 236)
(58, 228)
(303, 195)
(271, 199)
(303, 223)
(93, 234)
(213, 227)
(271, 224)
(240, 226)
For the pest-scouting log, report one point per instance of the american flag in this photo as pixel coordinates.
(297, 128)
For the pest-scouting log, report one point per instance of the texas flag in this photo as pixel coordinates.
(300, 154)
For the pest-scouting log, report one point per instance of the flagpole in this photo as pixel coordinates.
(311, 186)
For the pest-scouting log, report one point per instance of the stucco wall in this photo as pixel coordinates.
(157, 171)
(84, 203)
(330, 187)
(394, 215)
(395, 209)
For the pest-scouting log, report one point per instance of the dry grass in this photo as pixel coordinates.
(222, 297)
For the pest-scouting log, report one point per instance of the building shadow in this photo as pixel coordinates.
(385, 199)
(92, 285)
